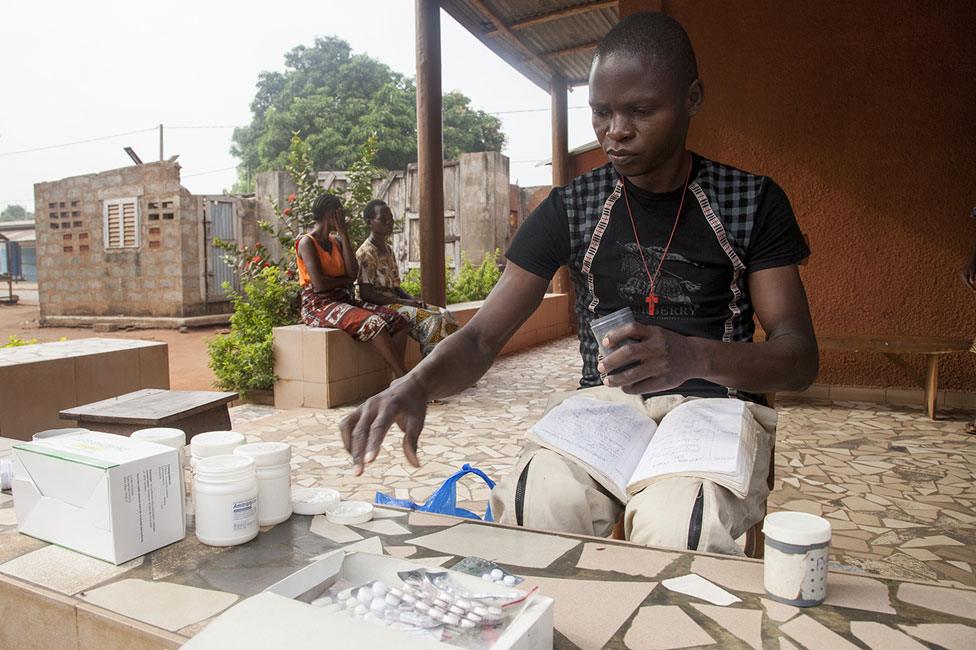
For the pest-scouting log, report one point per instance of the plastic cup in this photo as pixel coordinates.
(795, 561)
(601, 327)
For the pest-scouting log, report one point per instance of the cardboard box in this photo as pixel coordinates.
(281, 616)
(104, 495)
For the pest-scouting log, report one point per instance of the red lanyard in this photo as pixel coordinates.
(652, 298)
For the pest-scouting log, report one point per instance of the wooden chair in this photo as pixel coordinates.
(755, 539)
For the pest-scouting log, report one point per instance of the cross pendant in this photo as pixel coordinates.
(651, 301)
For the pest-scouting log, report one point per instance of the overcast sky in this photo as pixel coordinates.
(81, 70)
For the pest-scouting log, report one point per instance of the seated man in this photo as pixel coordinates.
(693, 247)
(379, 282)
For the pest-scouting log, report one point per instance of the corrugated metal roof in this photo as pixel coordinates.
(538, 37)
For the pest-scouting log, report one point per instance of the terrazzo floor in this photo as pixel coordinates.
(898, 488)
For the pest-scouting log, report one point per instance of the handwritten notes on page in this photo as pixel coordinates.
(608, 437)
(698, 436)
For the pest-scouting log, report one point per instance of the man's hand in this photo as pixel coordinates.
(661, 359)
(363, 430)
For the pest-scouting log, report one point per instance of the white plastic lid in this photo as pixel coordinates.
(350, 512)
(313, 501)
(215, 443)
(799, 528)
(225, 469)
(54, 433)
(174, 438)
(266, 453)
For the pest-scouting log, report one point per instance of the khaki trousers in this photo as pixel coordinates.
(554, 493)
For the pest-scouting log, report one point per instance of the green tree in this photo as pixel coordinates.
(15, 212)
(337, 100)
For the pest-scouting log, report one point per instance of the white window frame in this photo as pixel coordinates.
(105, 233)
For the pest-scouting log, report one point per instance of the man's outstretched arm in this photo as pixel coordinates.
(787, 360)
(456, 363)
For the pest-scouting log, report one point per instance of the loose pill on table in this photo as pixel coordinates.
(392, 600)
(380, 589)
(454, 609)
(466, 624)
(322, 602)
(351, 603)
(474, 618)
(487, 576)
(480, 610)
(497, 574)
(364, 594)
(443, 604)
(464, 604)
(509, 581)
(494, 613)
(450, 619)
(360, 610)
(437, 613)
(378, 605)
(408, 599)
(345, 595)
(422, 606)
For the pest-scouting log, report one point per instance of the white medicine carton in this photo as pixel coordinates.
(108, 496)
(281, 616)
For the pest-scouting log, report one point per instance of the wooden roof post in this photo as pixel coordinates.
(430, 153)
(560, 156)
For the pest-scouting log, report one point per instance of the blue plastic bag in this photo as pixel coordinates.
(444, 500)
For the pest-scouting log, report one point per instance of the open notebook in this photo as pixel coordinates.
(625, 450)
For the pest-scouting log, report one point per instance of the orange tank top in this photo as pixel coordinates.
(331, 261)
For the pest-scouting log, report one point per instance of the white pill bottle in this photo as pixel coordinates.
(796, 556)
(272, 461)
(225, 494)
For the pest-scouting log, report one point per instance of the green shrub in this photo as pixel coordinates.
(469, 283)
(14, 342)
(243, 359)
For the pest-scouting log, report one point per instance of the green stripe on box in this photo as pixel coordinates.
(64, 455)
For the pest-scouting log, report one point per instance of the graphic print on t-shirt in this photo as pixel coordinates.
(675, 293)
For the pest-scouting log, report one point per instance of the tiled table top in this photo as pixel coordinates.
(607, 593)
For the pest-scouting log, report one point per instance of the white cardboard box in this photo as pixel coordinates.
(281, 616)
(104, 495)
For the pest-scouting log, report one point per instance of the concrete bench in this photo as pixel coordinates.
(324, 367)
(38, 381)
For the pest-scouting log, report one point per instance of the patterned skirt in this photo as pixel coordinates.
(428, 325)
(338, 309)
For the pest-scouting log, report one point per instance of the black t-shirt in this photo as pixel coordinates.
(693, 286)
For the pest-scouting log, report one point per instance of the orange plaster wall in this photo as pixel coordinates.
(865, 112)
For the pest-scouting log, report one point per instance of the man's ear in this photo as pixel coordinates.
(695, 97)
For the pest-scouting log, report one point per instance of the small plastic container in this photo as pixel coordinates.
(603, 326)
(350, 512)
(313, 501)
(225, 492)
(213, 443)
(174, 438)
(795, 562)
(273, 463)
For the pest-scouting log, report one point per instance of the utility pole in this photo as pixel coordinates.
(160, 143)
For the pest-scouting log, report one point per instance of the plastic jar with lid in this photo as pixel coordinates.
(174, 438)
(225, 491)
(213, 443)
(273, 463)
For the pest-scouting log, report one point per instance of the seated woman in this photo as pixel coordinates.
(327, 272)
(379, 282)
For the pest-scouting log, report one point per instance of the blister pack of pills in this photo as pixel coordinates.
(486, 570)
(428, 604)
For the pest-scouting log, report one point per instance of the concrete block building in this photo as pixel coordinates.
(133, 242)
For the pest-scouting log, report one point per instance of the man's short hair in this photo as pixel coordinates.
(658, 39)
(369, 211)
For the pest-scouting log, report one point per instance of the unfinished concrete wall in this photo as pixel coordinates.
(484, 204)
(82, 270)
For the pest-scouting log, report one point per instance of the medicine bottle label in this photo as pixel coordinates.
(245, 514)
